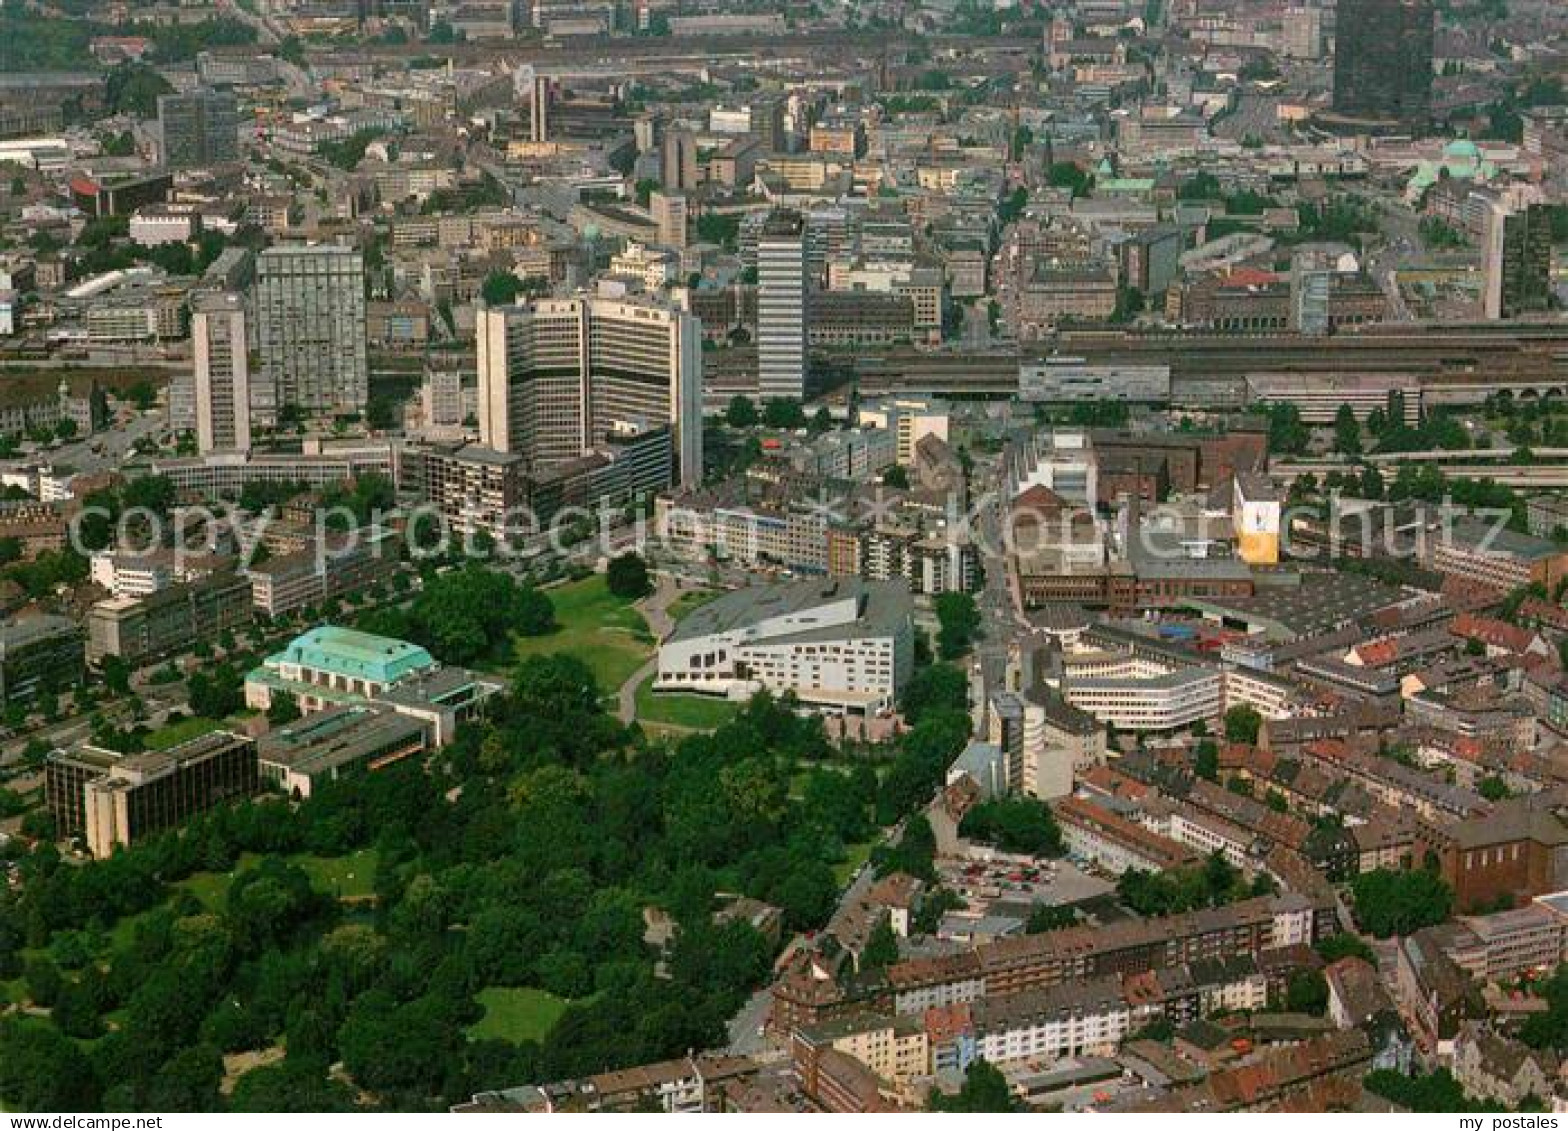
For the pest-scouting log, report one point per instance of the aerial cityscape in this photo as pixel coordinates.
(852, 556)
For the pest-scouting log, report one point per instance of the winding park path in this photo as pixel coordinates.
(655, 608)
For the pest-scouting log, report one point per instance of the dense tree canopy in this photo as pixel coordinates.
(985, 1090)
(1242, 723)
(1391, 903)
(467, 615)
(960, 624)
(627, 576)
(1015, 824)
(932, 689)
(741, 413)
(522, 855)
(1211, 884)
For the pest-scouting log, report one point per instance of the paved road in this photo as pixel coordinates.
(115, 445)
(1256, 116)
(746, 1028)
(747, 1035)
(977, 326)
(656, 609)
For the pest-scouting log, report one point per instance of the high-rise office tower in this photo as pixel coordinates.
(645, 132)
(767, 123)
(557, 376)
(781, 306)
(1517, 254)
(310, 323)
(668, 210)
(680, 160)
(197, 129)
(539, 109)
(1383, 60)
(222, 372)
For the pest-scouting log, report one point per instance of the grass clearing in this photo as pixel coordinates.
(694, 712)
(856, 855)
(516, 1014)
(346, 877)
(602, 630)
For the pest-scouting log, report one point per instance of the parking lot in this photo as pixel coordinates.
(1019, 880)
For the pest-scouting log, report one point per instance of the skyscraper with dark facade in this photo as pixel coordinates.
(198, 129)
(1516, 255)
(1383, 61)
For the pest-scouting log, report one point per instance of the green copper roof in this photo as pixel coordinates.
(360, 655)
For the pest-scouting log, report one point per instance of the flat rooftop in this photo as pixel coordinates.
(337, 737)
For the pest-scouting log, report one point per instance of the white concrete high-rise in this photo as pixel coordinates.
(558, 375)
(310, 322)
(781, 307)
(222, 377)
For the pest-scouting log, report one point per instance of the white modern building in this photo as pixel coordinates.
(556, 376)
(131, 575)
(843, 645)
(1133, 693)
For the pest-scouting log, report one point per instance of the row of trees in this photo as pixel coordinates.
(1214, 883)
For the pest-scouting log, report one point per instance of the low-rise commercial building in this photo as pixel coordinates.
(1482, 551)
(335, 742)
(137, 629)
(113, 800)
(340, 667)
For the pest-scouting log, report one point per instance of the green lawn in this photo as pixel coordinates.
(857, 855)
(604, 631)
(180, 731)
(347, 877)
(516, 1014)
(698, 712)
